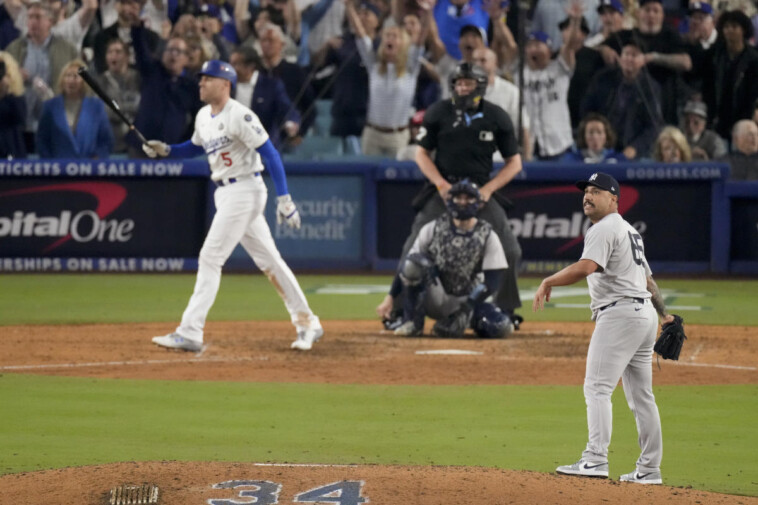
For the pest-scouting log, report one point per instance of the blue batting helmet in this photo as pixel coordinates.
(490, 322)
(221, 69)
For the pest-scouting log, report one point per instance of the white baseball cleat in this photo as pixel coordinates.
(176, 341)
(638, 477)
(306, 338)
(585, 468)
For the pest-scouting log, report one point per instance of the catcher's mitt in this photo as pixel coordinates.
(454, 325)
(671, 339)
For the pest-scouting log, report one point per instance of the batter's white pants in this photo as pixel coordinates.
(622, 348)
(239, 219)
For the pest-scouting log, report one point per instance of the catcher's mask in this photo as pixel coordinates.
(469, 209)
(469, 102)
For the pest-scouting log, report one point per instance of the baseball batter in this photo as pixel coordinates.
(232, 137)
(625, 299)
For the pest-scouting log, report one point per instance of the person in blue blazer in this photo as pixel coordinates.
(265, 95)
(73, 124)
(595, 139)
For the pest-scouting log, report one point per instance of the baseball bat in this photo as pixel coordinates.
(110, 102)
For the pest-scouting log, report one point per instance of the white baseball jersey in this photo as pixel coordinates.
(617, 247)
(546, 101)
(230, 140)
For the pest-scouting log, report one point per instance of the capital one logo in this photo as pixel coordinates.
(81, 226)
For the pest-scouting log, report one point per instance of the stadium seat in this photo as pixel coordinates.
(315, 147)
(323, 118)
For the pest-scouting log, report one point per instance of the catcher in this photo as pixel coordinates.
(453, 266)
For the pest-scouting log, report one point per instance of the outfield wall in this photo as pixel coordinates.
(145, 215)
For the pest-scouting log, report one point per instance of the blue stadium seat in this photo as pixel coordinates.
(323, 118)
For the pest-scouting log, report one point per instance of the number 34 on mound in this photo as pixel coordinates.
(346, 492)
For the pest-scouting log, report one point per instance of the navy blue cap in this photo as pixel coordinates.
(601, 180)
(539, 36)
(703, 7)
(613, 4)
(373, 8)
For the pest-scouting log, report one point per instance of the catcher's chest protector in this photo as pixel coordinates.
(458, 256)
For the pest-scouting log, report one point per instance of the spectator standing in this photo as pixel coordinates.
(264, 95)
(12, 109)
(705, 144)
(122, 83)
(41, 56)
(546, 84)
(169, 98)
(452, 15)
(548, 14)
(731, 89)
(393, 70)
(69, 24)
(128, 15)
(8, 30)
(350, 91)
(470, 39)
(296, 80)
(743, 160)
(630, 98)
(505, 95)
(321, 20)
(702, 36)
(665, 55)
(589, 62)
(671, 146)
(611, 13)
(74, 124)
(595, 142)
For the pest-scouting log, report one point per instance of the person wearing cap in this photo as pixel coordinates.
(743, 160)
(451, 16)
(471, 38)
(630, 99)
(665, 55)
(546, 84)
(702, 35)
(705, 144)
(238, 150)
(730, 89)
(548, 14)
(624, 301)
(611, 14)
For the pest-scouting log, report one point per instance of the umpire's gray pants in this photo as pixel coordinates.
(507, 298)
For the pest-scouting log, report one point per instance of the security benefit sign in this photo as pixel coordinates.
(115, 218)
(331, 209)
(672, 217)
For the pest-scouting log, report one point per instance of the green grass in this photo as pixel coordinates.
(115, 298)
(59, 422)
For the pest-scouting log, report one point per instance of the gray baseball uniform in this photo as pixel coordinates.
(622, 343)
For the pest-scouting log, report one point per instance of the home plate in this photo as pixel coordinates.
(451, 351)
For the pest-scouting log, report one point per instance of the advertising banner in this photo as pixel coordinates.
(744, 229)
(100, 218)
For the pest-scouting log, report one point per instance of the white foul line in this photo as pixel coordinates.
(131, 363)
(706, 365)
(306, 465)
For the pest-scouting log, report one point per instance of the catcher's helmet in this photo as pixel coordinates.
(221, 69)
(468, 71)
(490, 322)
(464, 211)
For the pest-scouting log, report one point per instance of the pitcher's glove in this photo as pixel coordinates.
(454, 325)
(671, 339)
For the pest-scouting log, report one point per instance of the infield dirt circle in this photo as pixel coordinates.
(352, 352)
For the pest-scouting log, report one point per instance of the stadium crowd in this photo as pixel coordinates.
(602, 80)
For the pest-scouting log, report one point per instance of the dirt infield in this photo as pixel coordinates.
(356, 353)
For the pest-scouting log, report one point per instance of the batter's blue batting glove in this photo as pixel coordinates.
(286, 211)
